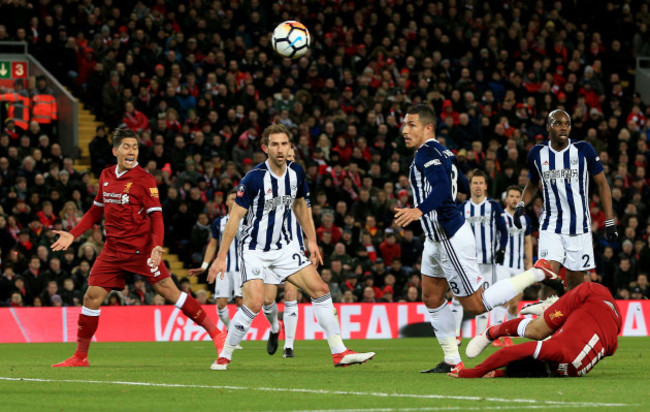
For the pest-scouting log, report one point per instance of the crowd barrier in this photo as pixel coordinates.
(167, 323)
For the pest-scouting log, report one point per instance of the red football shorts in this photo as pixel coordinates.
(109, 270)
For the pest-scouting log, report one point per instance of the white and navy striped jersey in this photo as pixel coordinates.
(488, 226)
(269, 223)
(436, 179)
(515, 252)
(218, 228)
(565, 185)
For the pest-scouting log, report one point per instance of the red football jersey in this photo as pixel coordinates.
(128, 199)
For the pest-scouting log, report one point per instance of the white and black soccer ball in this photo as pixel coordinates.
(291, 39)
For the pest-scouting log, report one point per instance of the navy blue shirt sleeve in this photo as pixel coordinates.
(533, 174)
(247, 189)
(461, 180)
(216, 228)
(430, 163)
(593, 160)
(529, 227)
(303, 189)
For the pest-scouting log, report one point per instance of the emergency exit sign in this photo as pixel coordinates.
(13, 70)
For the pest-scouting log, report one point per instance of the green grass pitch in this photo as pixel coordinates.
(176, 377)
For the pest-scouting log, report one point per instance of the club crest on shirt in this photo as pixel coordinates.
(127, 187)
(555, 315)
(543, 253)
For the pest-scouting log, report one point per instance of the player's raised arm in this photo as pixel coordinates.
(219, 266)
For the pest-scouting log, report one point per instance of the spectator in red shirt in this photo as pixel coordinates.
(390, 249)
(135, 119)
(329, 226)
(46, 216)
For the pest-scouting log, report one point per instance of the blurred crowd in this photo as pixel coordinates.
(199, 81)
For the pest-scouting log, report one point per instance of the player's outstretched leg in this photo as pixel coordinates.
(290, 320)
(327, 319)
(515, 327)
(271, 314)
(87, 325)
(506, 289)
(193, 310)
(241, 322)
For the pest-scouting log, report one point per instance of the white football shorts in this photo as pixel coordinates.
(574, 252)
(228, 287)
(274, 266)
(454, 259)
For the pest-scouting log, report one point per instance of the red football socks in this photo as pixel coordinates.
(508, 328)
(87, 327)
(193, 310)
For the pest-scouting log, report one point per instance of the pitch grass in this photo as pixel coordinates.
(256, 381)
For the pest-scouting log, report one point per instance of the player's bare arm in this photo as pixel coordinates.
(210, 250)
(303, 214)
(63, 242)
(219, 266)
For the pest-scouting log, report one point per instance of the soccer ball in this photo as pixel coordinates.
(291, 39)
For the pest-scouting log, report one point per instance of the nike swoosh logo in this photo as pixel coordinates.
(299, 38)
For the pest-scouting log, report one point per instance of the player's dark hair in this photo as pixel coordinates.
(478, 173)
(513, 187)
(274, 129)
(528, 368)
(426, 113)
(121, 134)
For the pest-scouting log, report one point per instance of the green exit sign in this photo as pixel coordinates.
(5, 70)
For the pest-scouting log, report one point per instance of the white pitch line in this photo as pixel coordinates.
(324, 392)
(441, 408)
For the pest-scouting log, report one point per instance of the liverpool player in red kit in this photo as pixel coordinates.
(128, 199)
(583, 325)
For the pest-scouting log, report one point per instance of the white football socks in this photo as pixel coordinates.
(271, 314)
(224, 315)
(290, 319)
(327, 319)
(458, 312)
(241, 323)
(442, 321)
(506, 289)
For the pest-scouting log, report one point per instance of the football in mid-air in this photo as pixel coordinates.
(291, 39)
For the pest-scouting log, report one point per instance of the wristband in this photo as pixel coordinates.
(204, 265)
(609, 222)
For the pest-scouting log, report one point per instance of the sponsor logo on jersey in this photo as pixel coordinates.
(153, 191)
(116, 198)
(433, 162)
(555, 315)
(560, 174)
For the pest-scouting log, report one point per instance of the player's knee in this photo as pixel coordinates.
(254, 307)
(474, 306)
(320, 290)
(432, 301)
